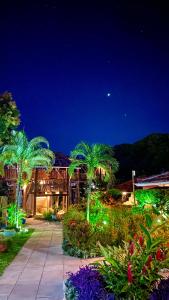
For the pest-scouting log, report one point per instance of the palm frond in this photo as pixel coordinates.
(74, 164)
(35, 142)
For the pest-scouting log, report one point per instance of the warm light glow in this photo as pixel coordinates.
(61, 212)
(124, 193)
(24, 186)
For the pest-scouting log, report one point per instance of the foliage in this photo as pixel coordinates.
(78, 233)
(10, 117)
(132, 275)
(111, 197)
(16, 244)
(12, 211)
(26, 155)
(47, 215)
(109, 226)
(145, 197)
(81, 237)
(98, 212)
(163, 204)
(94, 157)
(161, 291)
(87, 283)
(158, 198)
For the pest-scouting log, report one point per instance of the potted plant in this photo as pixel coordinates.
(3, 244)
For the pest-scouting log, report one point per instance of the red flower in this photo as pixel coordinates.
(129, 273)
(131, 248)
(160, 255)
(148, 263)
(141, 241)
(144, 270)
(135, 236)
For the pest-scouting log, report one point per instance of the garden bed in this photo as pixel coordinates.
(14, 244)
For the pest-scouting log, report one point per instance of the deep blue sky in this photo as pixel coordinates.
(60, 59)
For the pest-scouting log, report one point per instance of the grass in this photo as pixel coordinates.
(14, 245)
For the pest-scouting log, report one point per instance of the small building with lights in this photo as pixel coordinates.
(48, 190)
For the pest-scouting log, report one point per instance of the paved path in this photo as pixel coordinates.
(38, 271)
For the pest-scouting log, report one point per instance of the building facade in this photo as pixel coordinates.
(48, 190)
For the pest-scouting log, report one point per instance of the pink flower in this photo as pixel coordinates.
(129, 273)
(141, 241)
(160, 255)
(144, 270)
(131, 248)
(135, 236)
(148, 263)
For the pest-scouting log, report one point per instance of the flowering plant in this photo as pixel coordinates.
(161, 291)
(134, 276)
(85, 284)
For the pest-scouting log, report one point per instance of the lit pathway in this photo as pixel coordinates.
(39, 269)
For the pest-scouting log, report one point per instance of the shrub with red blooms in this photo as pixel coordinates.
(160, 255)
(129, 273)
(133, 274)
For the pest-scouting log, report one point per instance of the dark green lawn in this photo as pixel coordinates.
(15, 244)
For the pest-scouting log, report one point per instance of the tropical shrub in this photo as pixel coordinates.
(132, 274)
(111, 197)
(87, 283)
(13, 212)
(145, 197)
(3, 244)
(109, 226)
(81, 237)
(163, 204)
(47, 215)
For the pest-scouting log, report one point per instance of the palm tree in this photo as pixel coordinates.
(26, 155)
(93, 157)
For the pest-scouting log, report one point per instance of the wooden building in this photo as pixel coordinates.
(48, 190)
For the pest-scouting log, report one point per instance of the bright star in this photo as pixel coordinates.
(108, 94)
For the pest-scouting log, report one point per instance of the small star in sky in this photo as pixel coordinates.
(124, 116)
(108, 94)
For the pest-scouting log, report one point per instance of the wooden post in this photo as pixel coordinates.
(67, 184)
(35, 192)
(78, 187)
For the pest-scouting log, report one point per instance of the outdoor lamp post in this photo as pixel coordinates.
(133, 175)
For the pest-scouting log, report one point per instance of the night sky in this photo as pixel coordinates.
(86, 71)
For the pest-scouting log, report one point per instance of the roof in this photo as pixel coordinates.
(61, 160)
(155, 180)
(126, 186)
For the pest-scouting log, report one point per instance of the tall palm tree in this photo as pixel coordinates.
(93, 156)
(26, 155)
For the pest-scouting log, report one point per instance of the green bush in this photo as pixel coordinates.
(47, 215)
(81, 237)
(130, 272)
(12, 213)
(158, 198)
(111, 197)
(109, 226)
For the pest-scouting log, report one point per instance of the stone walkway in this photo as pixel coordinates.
(38, 271)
